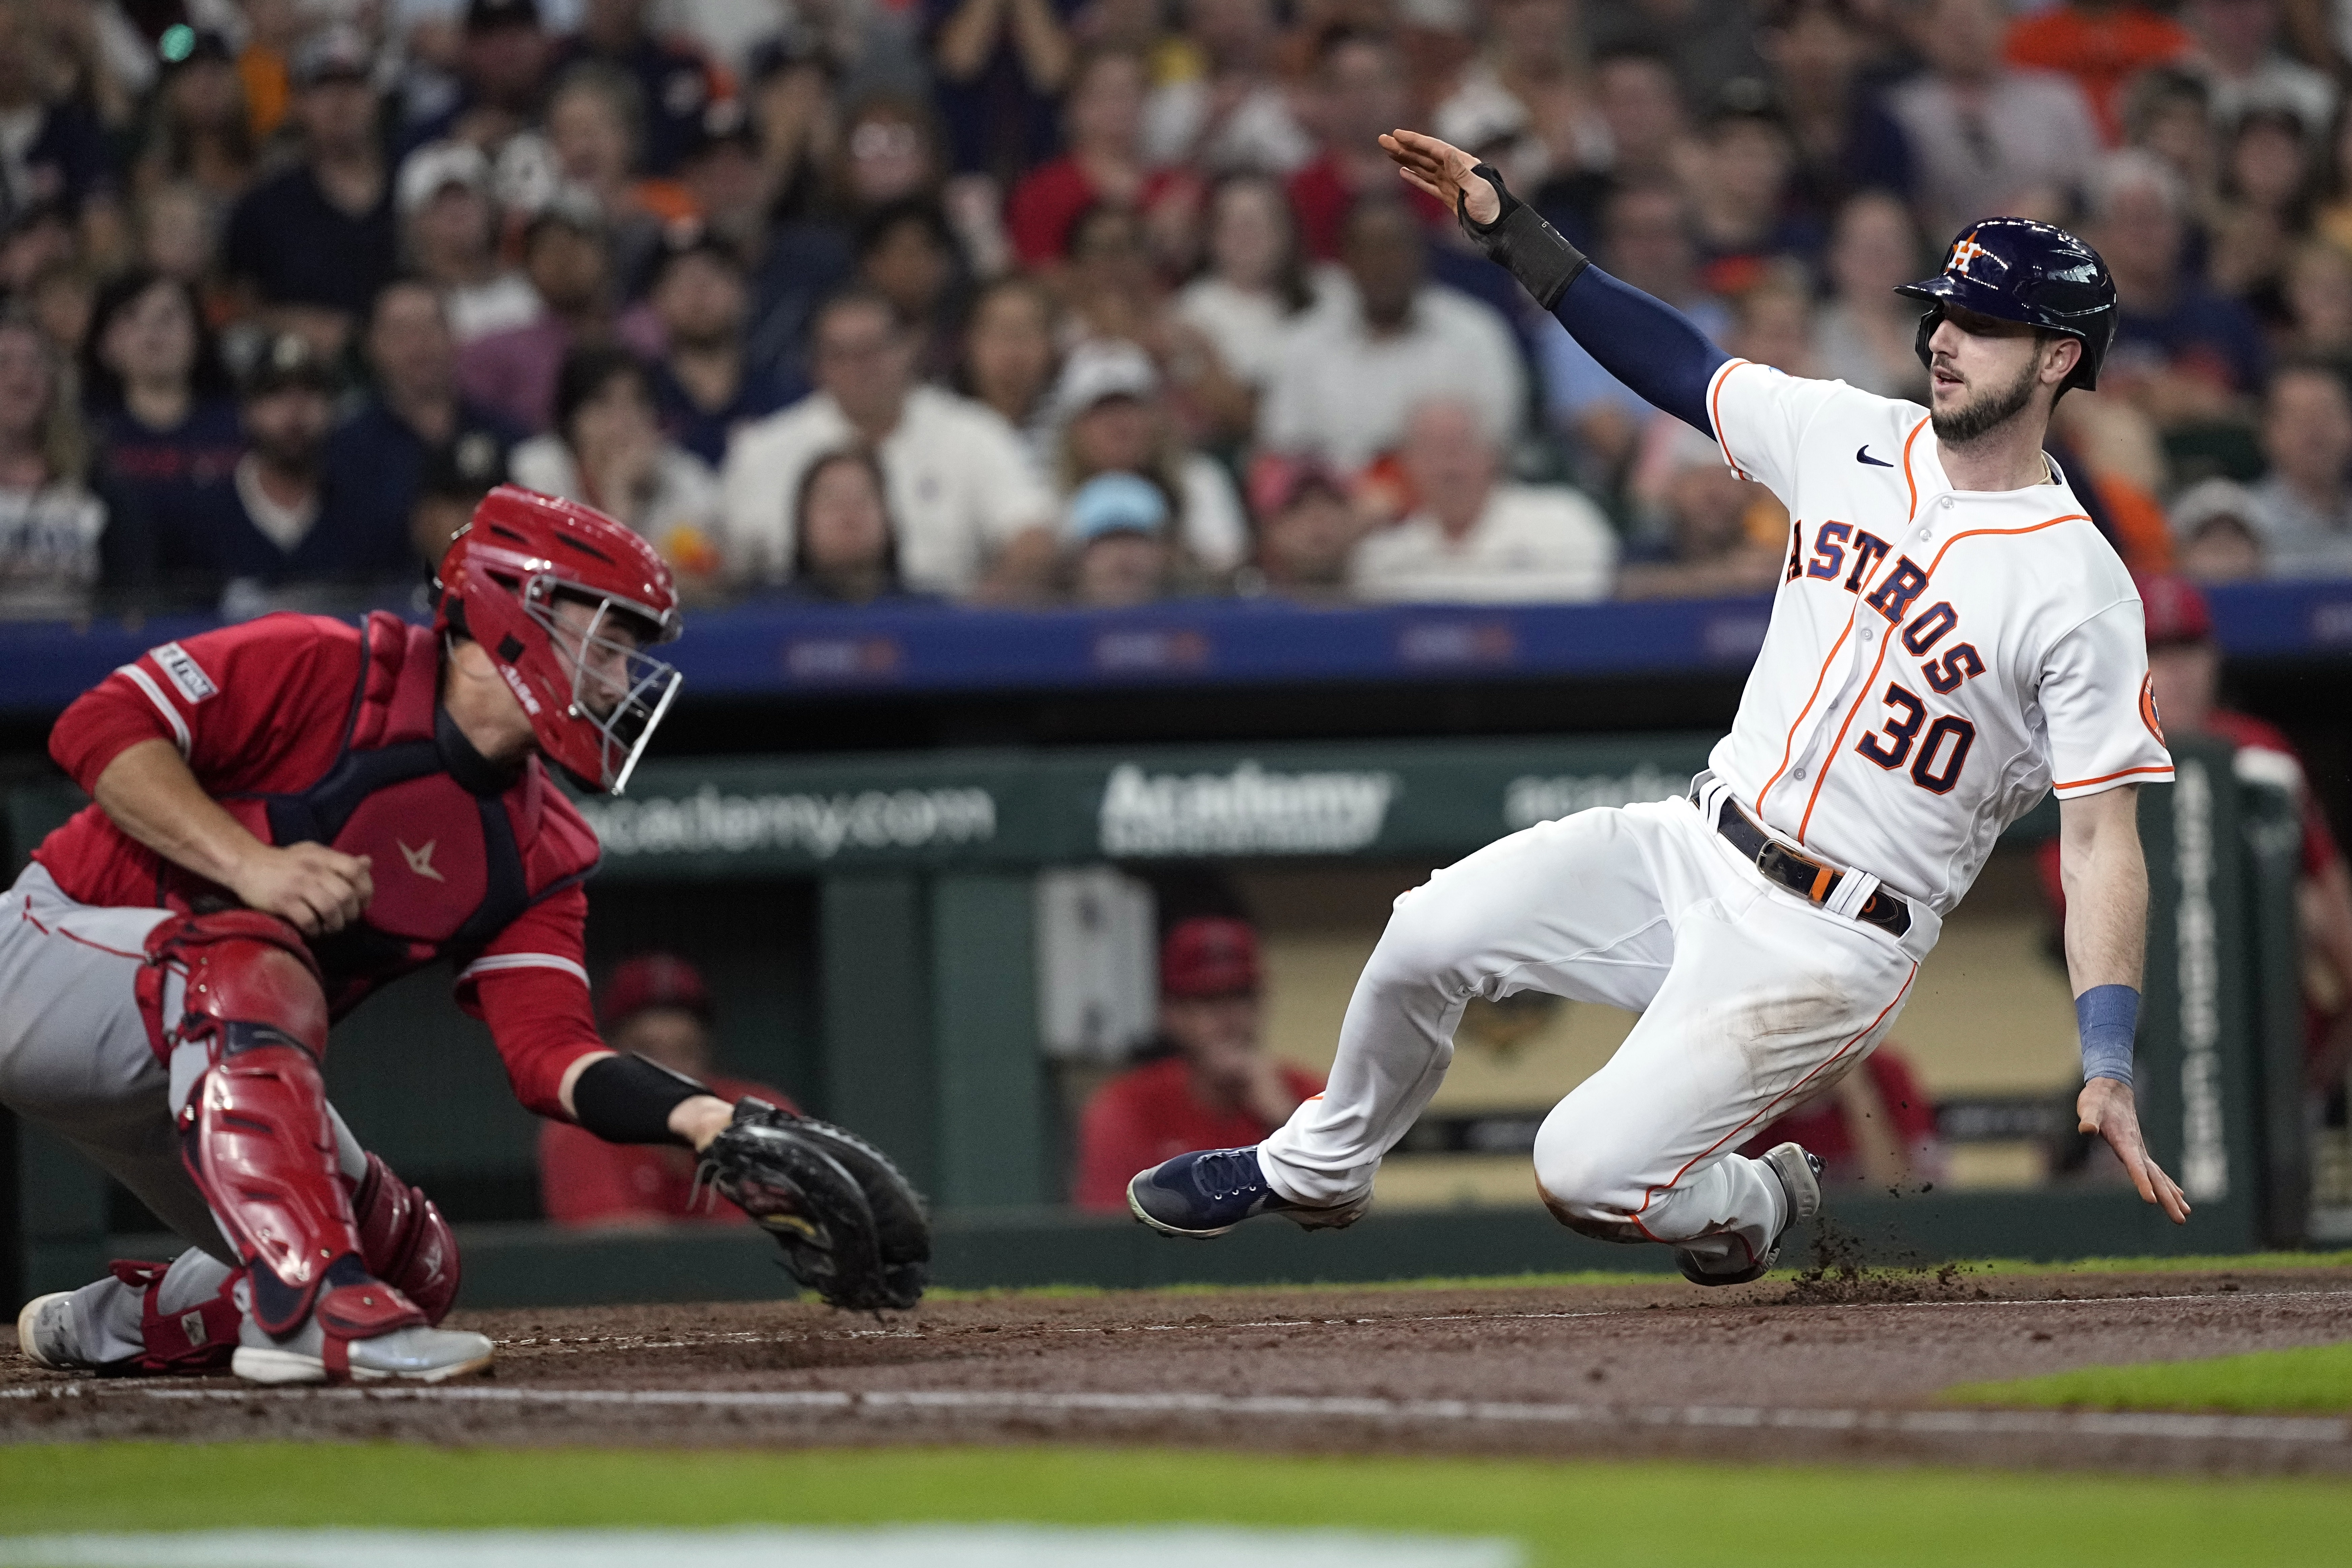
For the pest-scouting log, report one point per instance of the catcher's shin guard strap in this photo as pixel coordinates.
(627, 1100)
(201, 1338)
(256, 1139)
(355, 1307)
(403, 1240)
(1520, 241)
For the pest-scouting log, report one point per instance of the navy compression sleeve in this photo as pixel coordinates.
(1646, 343)
(1652, 348)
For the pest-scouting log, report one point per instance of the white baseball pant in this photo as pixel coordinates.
(74, 1056)
(1750, 996)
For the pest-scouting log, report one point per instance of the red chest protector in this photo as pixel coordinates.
(459, 849)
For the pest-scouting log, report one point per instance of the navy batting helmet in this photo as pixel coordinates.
(2016, 270)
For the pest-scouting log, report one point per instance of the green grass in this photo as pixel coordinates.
(2318, 1378)
(1592, 1515)
(1985, 1267)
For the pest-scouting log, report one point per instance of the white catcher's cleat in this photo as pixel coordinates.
(1799, 1172)
(414, 1355)
(45, 1333)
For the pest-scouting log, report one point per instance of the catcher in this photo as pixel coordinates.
(292, 813)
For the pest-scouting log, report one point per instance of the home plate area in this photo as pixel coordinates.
(1771, 1370)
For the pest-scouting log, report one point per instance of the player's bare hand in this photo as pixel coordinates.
(320, 890)
(2108, 1108)
(1443, 170)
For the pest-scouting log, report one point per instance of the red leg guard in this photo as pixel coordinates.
(403, 1240)
(201, 1339)
(256, 1134)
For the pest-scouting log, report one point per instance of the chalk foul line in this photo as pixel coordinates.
(899, 1403)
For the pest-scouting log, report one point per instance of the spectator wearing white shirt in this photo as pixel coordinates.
(1988, 138)
(1236, 115)
(2304, 505)
(1112, 422)
(607, 452)
(1347, 383)
(1258, 286)
(449, 227)
(972, 514)
(1473, 540)
(2247, 66)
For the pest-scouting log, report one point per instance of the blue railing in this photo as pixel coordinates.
(784, 650)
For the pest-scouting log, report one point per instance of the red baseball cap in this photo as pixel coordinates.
(652, 980)
(2176, 609)
(1209, 956)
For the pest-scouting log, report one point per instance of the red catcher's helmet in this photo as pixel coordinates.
(593, 699)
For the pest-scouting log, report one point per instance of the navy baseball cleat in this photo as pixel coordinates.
(1209, 1190)
(1799, 1170)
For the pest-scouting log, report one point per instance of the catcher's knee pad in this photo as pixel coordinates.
(403, 1240)
(201, 1338)
(255, 1133)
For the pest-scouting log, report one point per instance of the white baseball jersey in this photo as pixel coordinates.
(1937, 658)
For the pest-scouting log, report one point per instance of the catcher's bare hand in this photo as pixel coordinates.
(2108, 1108)
(320, 890)
(1443, 170)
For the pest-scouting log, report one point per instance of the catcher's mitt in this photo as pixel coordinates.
(851, 1227)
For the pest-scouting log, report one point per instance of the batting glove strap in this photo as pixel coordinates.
(1519, 241)
(2107, 1017)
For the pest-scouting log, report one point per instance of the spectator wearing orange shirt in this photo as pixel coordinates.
(656, 1006)
(2102, 44)
(1217, 1088)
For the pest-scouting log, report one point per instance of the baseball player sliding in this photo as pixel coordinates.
(1950, 638)
(290, 813)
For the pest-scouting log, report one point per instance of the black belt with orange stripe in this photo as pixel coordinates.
(1806, 878)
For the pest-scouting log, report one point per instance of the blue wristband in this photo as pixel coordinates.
(2107, 1017)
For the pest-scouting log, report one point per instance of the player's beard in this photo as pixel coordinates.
(1987, 410)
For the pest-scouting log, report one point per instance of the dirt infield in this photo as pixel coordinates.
(1825, 1370)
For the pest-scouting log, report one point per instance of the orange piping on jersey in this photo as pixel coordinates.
(1908, 482)
(2034, 528)
(2102, 778)
(1789, 747)
(1822, 777)
(1714, 413)
(1770, 1108)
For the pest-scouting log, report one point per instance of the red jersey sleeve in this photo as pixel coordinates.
(241, 703)
(530, 986)
(1116, 1138)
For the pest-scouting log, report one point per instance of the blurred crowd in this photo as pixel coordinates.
(1102, 301)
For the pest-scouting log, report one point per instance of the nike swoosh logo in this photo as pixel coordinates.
(1862, 455)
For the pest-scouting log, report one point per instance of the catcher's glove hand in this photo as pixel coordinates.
(851, 1227)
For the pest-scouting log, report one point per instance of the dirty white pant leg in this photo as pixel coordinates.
(1571, 908)
(108, 1313)
(1769, 1000)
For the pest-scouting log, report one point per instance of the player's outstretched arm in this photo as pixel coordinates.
(1646, 343)
(2105, 878)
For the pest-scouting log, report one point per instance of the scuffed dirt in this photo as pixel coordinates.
(1841, 1338)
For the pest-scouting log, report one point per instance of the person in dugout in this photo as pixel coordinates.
(2184, 667)
(1215, 1085)
(656, 1005)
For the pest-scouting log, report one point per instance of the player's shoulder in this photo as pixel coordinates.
(278, 649)
(1851, 407)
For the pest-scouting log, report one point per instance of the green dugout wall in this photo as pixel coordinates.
(868, 923)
